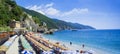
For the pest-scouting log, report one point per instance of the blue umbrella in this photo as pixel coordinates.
(27, 52)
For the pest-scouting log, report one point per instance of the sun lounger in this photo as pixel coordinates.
(46, 41)
(26, 45)
(38, 44)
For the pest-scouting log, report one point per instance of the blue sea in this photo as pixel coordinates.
(107, 40)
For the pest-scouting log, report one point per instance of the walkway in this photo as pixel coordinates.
(14, 47)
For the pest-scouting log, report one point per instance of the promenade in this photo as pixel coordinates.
(14, 47)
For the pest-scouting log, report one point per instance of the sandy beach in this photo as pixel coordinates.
(75, 47)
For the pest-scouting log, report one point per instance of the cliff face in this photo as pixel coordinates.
(42, 18)
(30, 24)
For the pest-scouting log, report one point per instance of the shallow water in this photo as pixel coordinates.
(108, 40)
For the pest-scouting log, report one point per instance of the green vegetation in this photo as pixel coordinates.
(5, 29)
(8, 11)
(37, 20)
(42, 18)
(68, 25)
(54, 23)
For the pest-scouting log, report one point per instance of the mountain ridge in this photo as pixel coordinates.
(9, 10)
(59, 24)
(71, 25)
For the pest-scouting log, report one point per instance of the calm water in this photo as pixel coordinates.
(108, 40)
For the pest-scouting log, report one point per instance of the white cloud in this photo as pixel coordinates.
(75, 11)
(79, 15)
(49, 5)
(36, 8)
(85, 10)
(49, 10)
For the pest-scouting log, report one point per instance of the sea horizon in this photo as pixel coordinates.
(104, 41)
(59, 26)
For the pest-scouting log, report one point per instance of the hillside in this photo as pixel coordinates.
(55, 23)
(42, 18)
(69, 25)
(9, 10)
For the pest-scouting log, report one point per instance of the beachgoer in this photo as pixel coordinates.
(77, 52)
(70, 43)
(83, 45)
(81, 51)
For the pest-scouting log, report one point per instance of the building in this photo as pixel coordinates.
(15, 24)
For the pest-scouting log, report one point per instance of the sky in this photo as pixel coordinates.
(100, 14)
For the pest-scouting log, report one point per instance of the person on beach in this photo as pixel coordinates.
(83, 45)
(81, 51)
(70, 43)
(77, 52)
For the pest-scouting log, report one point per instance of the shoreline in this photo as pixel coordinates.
(75, 47)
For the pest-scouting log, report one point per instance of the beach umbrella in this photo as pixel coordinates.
(26, 52)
